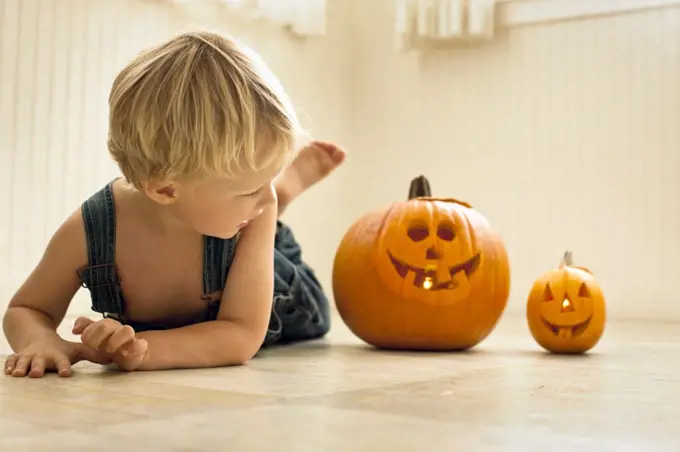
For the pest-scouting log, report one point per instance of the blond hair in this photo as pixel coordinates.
(198, 105)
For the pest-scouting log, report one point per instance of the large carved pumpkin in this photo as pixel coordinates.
(566, 309)
(423, 274)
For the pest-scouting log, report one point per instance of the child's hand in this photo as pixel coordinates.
(113, 339)
(50, 355)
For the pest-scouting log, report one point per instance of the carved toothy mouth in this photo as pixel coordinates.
(567, 332)
(423, 274)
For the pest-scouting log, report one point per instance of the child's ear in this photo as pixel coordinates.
(164, 193)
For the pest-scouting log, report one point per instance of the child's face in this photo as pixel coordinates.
(221, 207)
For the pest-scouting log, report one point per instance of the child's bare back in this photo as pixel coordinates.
(178, 253)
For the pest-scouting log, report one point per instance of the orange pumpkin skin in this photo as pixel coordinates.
(566, 309)
(424, 274)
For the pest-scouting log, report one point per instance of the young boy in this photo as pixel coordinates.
(184, 256)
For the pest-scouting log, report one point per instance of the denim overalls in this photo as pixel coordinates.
(300, 310)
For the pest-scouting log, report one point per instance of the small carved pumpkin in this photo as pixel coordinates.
(426, 273)
(566, 309)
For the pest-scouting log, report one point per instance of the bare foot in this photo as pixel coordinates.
(312, 164)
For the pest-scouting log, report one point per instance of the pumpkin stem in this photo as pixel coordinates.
(567, 259)
(420, 187)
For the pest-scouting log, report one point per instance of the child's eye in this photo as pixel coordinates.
(250, 195)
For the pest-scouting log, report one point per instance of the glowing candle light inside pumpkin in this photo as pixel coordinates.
(429, 281)
(565, 304)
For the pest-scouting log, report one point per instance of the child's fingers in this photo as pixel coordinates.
(11, 363)
(96, 334)
(86, 353)
(122, 336)
(37, 367)
(134, 356)
(22, 366)
(135, 348)
(62, 365)
(80, 324)
(142, 346)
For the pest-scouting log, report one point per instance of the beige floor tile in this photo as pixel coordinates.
(340, 395)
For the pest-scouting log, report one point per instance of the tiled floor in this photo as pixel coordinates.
(507, 395)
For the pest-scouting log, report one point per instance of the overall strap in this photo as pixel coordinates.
(218, 255)
(100, 277)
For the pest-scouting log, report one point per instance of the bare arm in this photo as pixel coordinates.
(242, 322)
(40, 304)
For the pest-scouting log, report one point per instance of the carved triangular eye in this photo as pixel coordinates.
(547, 294)
(583, 291)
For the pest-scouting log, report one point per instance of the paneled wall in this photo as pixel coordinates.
(564, 134)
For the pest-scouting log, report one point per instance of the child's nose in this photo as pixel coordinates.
(267, 198)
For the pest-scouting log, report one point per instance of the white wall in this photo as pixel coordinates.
(57, 61)
(565, 135)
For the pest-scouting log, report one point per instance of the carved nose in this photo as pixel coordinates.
(432, 254)
(567, 306)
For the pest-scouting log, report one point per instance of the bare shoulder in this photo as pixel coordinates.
(54, 281)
